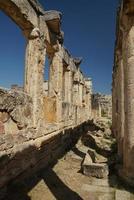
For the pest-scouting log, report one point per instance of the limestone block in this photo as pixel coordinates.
(11, 127)
(22, 115)
(94, 169)
(18, 106)
(4, 117)
(2, 128)
(6, 142)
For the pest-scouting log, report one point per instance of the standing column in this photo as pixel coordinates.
(80, 93)
(121, 109)
(70, 87)
(128, 164)
(34, 68)
(56, 83)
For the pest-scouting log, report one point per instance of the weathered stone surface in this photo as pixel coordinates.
(34, 130)
(4, 117)
(11, 127)
(53, 19)
(123, 89)
(97, 158)
(99, 141)
(123, 195)
(2, 128)
(16, 105)
(101, 106)
(94, 169)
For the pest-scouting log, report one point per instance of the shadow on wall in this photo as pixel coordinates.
(27, 162)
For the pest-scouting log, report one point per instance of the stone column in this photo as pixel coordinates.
(121, 109)
(66, 86)
(34, 68)
(80, 94)
(128, 160)
(56, 82)
(87, 102)
(99, 110)
(70, 86)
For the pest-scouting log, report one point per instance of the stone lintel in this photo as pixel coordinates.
(21, 13)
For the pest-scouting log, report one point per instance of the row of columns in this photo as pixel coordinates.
(123, 93)
(64, 87)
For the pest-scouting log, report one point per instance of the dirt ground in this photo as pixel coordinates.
(64, 181)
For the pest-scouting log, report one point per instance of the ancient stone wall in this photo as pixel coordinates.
(40, 120)
(123, 89)
(101, 106)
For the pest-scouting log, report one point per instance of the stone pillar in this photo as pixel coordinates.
(34, 68)
(56, 82)
(80, 94)
(115, 102)
(88, 106)
(121, 109)
(128, 160)
(75, 99)
(89, 96)
(99, 110)
(69, 85)
(66, 85)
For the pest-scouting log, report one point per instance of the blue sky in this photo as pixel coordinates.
(89, 28)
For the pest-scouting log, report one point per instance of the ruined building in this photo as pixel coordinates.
(101, 106)
(44, 118)
(39, 122)
(123, 90)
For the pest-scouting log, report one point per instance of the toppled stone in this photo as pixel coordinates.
(15, 110)
(123, 195)
(98, 170)
(102, 145)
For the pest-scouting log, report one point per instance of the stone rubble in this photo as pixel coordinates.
(100, 154)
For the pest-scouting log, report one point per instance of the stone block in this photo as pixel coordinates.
(4, 116)
(2, 128)
(98, 170)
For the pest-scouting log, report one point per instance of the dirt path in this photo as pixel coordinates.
(65, 182)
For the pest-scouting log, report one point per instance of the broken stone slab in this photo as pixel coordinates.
(102, 145)
(123, 195)
(98, 170)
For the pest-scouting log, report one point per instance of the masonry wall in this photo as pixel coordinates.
(101, 106)
(37, 123)
(123, 90)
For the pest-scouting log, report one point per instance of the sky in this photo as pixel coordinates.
(89, 28)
